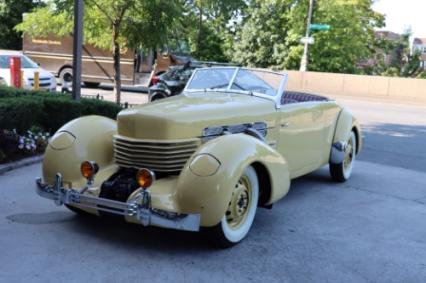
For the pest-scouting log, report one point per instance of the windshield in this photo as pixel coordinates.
(237, 79)
(26, 63)
(211, 78)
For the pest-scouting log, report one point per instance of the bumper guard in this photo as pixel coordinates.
(140, 207)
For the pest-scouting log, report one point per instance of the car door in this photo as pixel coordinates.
(301, 136)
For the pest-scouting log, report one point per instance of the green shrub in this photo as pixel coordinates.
(20, 109)
(20, 113)
(422, 75)
(6, 92)
(58, 111)
(99, 107)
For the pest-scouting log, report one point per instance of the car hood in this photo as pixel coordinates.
(185, 116)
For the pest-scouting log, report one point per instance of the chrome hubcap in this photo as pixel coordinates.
(240, 203)
(349, 154)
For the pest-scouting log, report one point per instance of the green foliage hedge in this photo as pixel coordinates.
(22, 109)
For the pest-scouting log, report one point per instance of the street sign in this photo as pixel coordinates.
(319, 27)
(307, 40)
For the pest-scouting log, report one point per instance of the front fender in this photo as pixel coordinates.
(209, 194)
(86, 138)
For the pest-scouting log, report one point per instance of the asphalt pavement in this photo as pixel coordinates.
(370, 229)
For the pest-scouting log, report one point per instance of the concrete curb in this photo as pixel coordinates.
(20, 163)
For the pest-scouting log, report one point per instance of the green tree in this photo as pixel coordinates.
(262, 40)
(275, 40)
(422, 75)
(351, 39)
(11, 12)
(113, 25)
(403, 63)
(406, 63)
(207, 26)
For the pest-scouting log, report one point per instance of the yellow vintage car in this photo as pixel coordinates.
(232, 142)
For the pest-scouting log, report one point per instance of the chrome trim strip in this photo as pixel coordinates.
(140, 207)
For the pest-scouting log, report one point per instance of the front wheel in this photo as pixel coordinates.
(342, 172)
(239, 216)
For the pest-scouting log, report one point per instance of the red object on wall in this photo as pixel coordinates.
(15, 71)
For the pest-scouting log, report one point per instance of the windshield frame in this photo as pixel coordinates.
(276, 98)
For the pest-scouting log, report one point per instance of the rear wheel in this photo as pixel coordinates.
(239, 216)
(342, 172)
(65, 77)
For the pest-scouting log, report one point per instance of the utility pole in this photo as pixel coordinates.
(77, 48)
(304, 61)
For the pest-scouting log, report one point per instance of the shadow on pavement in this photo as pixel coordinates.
(127, 235)
(395, 145)
(41, 218)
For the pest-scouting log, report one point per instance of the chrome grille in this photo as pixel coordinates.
(167, 156)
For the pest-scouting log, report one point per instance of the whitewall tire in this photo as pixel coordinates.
(239, 217)
(342, 172)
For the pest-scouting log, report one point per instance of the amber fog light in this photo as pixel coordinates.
(145, 178)
(89, 169)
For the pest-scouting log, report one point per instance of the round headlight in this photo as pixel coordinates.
(204, 165)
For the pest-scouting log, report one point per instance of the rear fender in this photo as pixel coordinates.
(346, 123)
(86, 138)
(205, 184)
(343, 127)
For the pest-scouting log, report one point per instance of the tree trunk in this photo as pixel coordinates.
(200, 26)
(117, 70)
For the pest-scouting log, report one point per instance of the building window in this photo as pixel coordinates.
(424, 49)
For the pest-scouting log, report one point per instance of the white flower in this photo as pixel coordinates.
(20, 146)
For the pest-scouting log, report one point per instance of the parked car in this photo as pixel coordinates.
(47, 80)
(173, 81)
(208, 158)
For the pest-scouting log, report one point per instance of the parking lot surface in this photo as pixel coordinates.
(370, 229)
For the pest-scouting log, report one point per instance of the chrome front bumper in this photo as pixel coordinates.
(139, 208)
